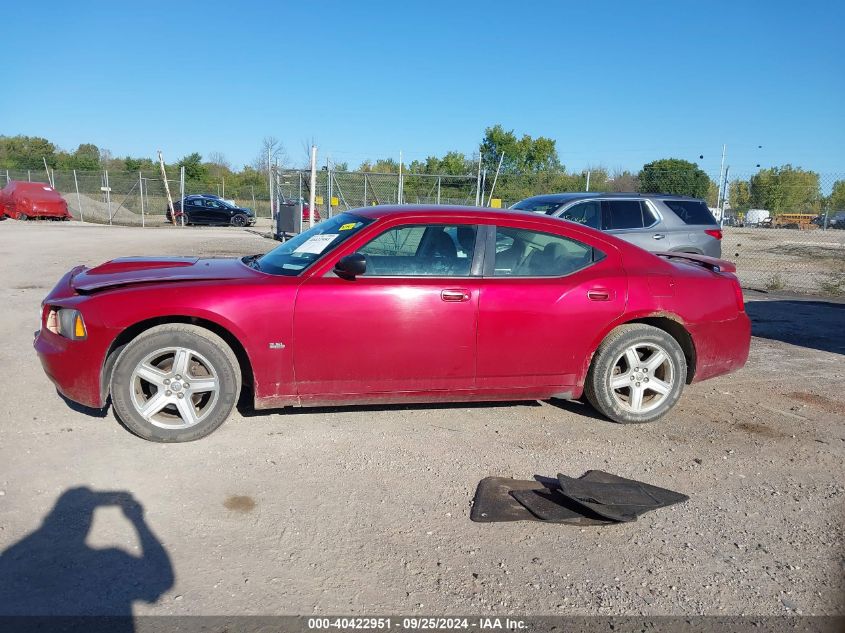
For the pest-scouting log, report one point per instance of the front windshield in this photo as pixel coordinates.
(537, 206)
(297, 254)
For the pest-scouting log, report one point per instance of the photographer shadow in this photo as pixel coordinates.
(53, 572)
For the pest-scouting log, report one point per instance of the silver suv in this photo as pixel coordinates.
(655, 222)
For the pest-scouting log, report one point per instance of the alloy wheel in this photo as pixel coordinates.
(174, 388)
(642, 377)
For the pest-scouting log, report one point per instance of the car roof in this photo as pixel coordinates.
(566, 197)
(439, 211)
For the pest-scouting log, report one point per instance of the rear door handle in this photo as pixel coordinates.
(455, 295)
(658, 236)
(599, 294)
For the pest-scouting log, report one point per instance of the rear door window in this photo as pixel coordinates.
(586, 213)
(626, 214)
(691, 211)
(525, 253)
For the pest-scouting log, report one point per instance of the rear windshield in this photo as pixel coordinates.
(691, 211)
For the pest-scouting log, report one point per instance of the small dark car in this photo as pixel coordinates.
(208, 209)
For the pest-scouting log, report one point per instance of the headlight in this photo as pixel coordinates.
(66, 322)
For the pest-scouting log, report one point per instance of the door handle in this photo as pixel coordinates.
(599, 294)
(455, 295)
(658, 236)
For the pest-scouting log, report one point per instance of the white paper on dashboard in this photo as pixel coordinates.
(316, 244)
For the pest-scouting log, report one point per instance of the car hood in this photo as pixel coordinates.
(126, 271)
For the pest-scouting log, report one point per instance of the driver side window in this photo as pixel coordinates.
(428, 250)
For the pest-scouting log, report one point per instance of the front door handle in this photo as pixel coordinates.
(455, 294)
(658, 236)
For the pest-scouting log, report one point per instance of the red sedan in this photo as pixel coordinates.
(394, 305)
(32, 200)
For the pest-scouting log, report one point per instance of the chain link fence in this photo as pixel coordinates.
(784, 234)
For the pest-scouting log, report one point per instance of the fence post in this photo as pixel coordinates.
(29, 175)
(365, 190)
(438, 190)
(141, 190)
(313, 190)
(78, 197)
(182, 191)
(108, 193)
(270, 177)
(589, 172)
(328, 189)
(399, 189)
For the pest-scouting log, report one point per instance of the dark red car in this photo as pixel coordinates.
(393, 305)
(32, 200)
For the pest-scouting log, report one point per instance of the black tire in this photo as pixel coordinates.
(607, 365)
(127, 390)
(239, 219)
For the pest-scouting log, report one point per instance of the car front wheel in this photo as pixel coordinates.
(175, 383)
(239, 220)
(637, 374)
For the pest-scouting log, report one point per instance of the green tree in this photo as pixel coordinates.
(739, 195)
(194, 168)
(138, 164)
(836, 199)
(381, 166)
(26, 152)
(521, 156)
(786, 189)
(674, 176)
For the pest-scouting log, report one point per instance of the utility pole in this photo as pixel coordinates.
(313, 189)
(167, 189)
(721, 173)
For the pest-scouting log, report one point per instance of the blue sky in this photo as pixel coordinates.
(614, 83)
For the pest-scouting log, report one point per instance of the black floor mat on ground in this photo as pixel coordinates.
(599, 499)
(616, 498)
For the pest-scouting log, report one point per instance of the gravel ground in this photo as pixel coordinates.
(365, 510)
(810, 261)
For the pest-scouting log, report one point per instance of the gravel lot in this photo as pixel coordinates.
(365, 510)
(788, 259)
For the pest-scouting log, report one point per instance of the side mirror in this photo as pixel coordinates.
(351, 266)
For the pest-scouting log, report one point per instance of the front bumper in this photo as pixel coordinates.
(73, 366)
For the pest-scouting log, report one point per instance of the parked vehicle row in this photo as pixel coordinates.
(391, 305)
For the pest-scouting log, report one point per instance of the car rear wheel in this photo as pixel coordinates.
(175, 383)
(239, 220)
(637, 374)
